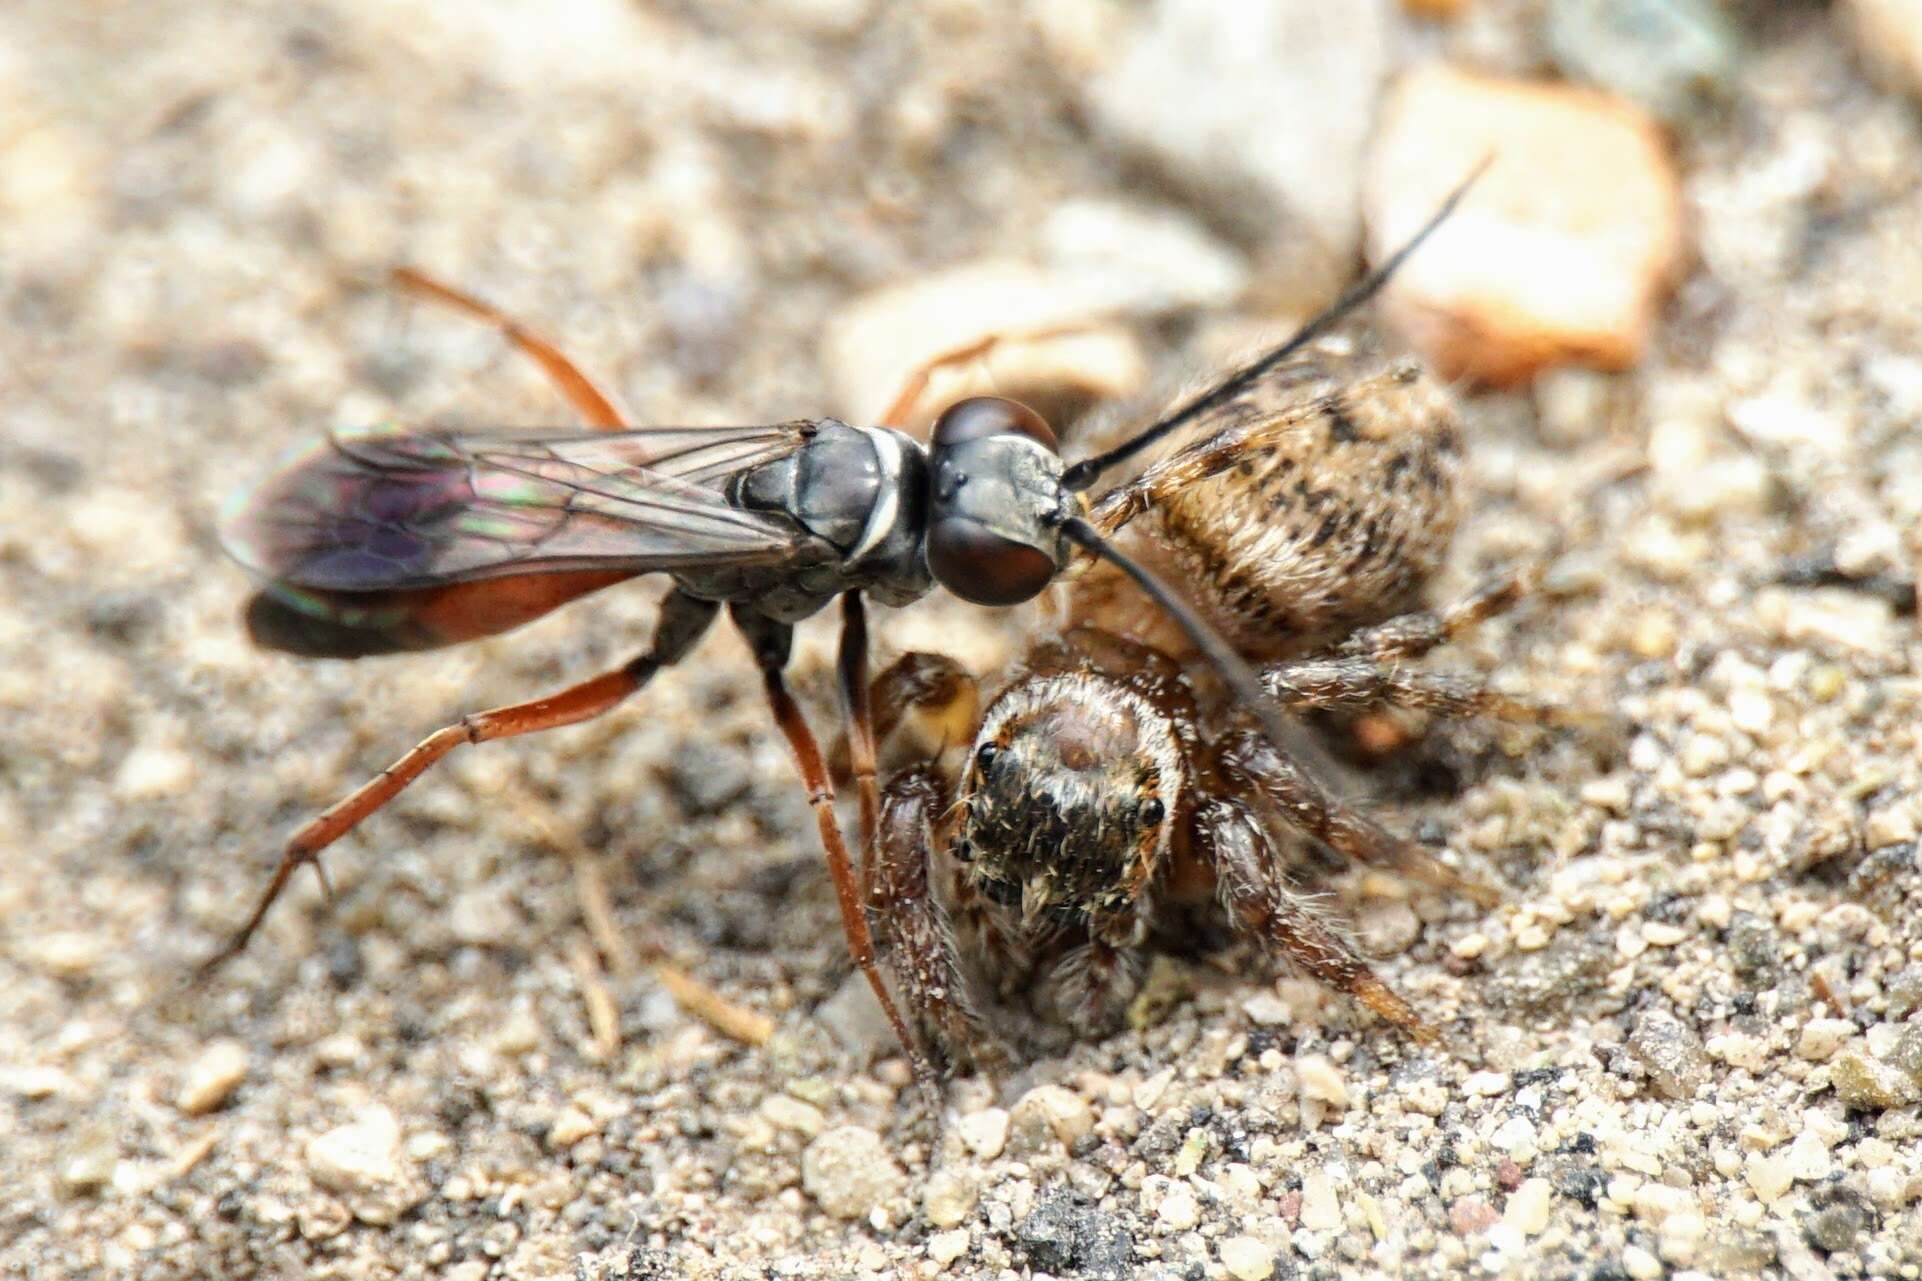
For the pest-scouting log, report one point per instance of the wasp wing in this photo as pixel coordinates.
(392, 511)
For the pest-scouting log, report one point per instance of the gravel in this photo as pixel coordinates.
(1686, 1042)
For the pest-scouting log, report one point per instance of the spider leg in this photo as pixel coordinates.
(682, 620)
(1250, 765)
(1324, 683)
(1414, 634)
(589, 401)
(918, 936)
(1364, 669)
(1251, 885)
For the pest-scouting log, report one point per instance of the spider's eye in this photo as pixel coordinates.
(984, 756)
(1152, 811)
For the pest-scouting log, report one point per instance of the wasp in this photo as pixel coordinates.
(1116, 797)
(411, 540)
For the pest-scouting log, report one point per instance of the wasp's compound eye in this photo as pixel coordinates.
(981, 566)
(979, 417)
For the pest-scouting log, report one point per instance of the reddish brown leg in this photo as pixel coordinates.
(682, 621)
(588, 400)
(770, 641)
(916, 384)
(853, 671)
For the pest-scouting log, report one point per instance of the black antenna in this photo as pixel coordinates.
(1241, 678)
(1088, 470)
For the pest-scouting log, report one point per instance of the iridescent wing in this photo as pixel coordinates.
(385, 512)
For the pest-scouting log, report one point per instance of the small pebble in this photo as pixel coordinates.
(948, 1198)
(1320, 1210)
(1049, 1112)
(985, 1132)
(1562, 251)
(1640, 1264)
(1322, 1080)
(1822, 1037)
(945, 1247)
(1179, 1210)
(212, 1077)
(849, 1171)
(1675, 57)
(790, 1113)
(86, 1164)
(1889, 34)
(877, 340)
(1768, 1175)
(1868, 1084)
(1671, 1051)
(1201, 86)
(1246, 1258)
(1487, 1084)
(1527, 1208)
(361, 1155)
(570, 1127)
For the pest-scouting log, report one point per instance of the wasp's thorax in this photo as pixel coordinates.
(1067, 804)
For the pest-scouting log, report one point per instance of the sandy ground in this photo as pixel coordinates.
(1688, 1042)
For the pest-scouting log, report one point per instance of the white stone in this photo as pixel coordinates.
(1218, 92)
(1246, 1259)
(212, 1077)
(1527, 1208)
(361, 1155)
(850, 1172)
(985, 1132)
(1322, 1080)
(1320, 1210)
(1179, 1210)
(945, 1247)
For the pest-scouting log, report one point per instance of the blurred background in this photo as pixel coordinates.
(1684, 310)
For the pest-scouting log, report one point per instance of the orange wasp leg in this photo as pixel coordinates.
(916, 384)
(770, 641)
(853, 671)
(682, 621)
(588, 400)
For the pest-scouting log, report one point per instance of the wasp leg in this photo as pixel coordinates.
(1253, 888)
(852, 669)
(681, 623)
(918, 940)
(588, 400)
(770, 641)
(1250, 765)
(915, 386)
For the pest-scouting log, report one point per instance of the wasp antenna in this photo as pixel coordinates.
(1234, 669)
(1088, 470)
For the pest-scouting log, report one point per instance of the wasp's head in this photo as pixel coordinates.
(1068, 799)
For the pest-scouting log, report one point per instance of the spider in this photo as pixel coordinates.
(1116, 798)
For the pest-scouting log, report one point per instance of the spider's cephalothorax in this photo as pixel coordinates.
(1067, 805)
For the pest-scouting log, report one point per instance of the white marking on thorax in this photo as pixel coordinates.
(887, 452)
